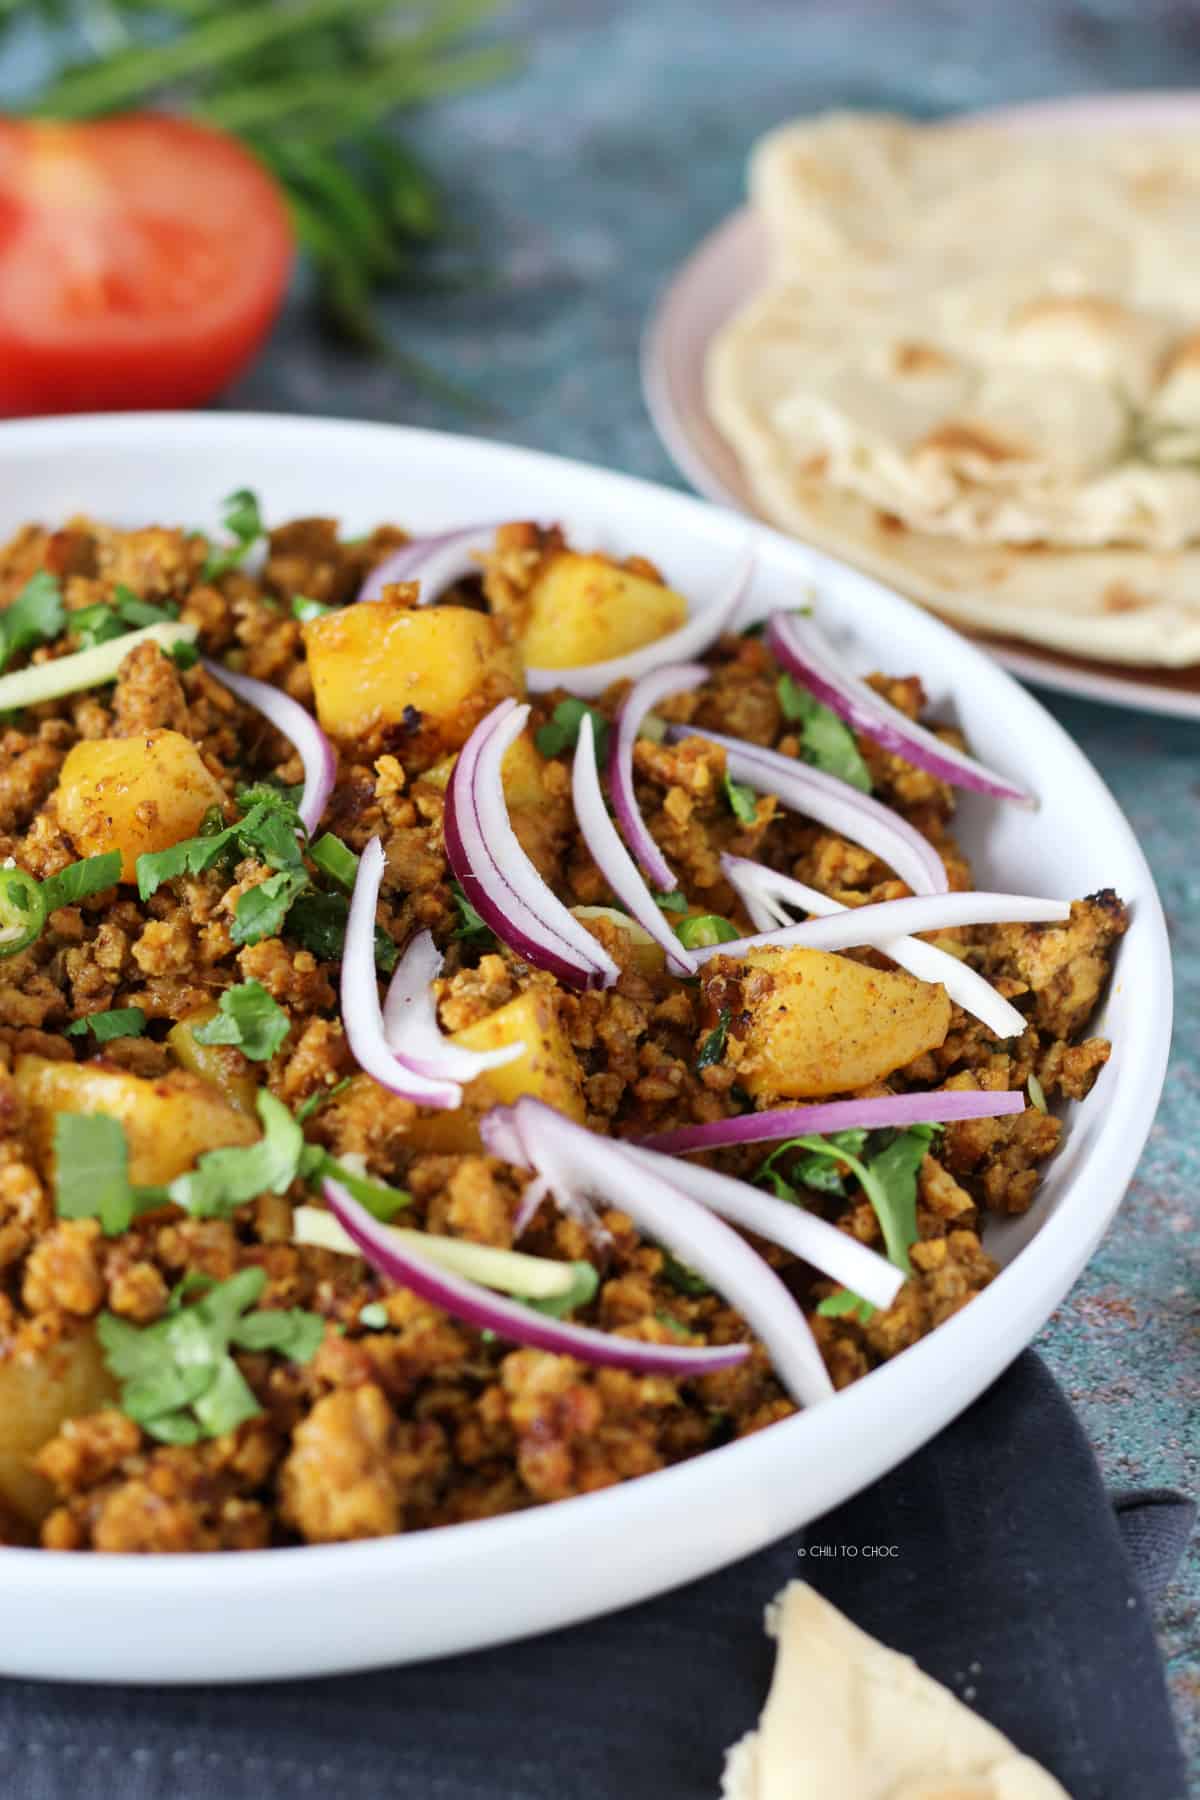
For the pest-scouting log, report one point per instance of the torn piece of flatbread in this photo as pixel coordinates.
(975, 371)
(846, 1716)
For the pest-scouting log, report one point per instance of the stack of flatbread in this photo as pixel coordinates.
(975, 372)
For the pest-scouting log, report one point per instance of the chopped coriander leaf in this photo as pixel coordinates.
(22, 910)
(381, 1201)
(741, 800)
(190, 857)
(335, 859)
(813, 1171)
(225, 1179)
(826, 741)
(676, 902)
(845, 1305)
(118, 1022)
(702, 929)
(713, 1047)
(308, 1107)
(561, 730)
(243, 522)
(184, 654)
(580, 1293)
(374, 1316)
(305, 609)
(179, 1381)
(108, 619)
(261, 910)
(672, 1323)
(471, 928)
(318, 923)
(91, 1173)
(35, 616)
(888, 1179)
(81, 879)
(683, 1279)
(248, 1019)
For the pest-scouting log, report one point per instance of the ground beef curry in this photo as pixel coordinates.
(363, 1410)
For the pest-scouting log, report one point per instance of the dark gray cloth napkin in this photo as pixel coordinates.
(1015, 1579)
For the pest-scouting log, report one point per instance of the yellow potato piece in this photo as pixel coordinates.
(37, 1392)
(827, 1025)
(168, 1122)
(433, 671)
(548, 1071)
(134, 794)
(222, 1065)
(585, 610)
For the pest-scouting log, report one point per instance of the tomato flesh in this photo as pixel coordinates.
(142, 261)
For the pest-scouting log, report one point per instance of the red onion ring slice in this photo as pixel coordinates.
(941, 1106)
(886, 920)
(487, 1311)
(436, 561)
(643, 697)
(298, 727)
(411, 1027)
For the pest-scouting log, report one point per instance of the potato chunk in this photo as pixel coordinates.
(220, 1064)
(168, 1122)
(38, 1391)
(422, 676)
(822, 1024)
(548, 1071)
(585, 610)
(134, 794)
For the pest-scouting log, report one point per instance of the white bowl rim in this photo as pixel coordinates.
(935, 1365)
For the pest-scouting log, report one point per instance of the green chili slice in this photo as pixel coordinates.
(22, 910)
(703, 929)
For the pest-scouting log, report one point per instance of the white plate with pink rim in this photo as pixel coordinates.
(724, 271)
(264, 1615)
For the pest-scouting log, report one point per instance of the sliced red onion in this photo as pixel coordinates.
(661, 1208)
(834, 804)
(437, 562)
(411, 1027)
(834, 1253)
(766, 894)
(941, 1106)
(487, 1311)
(691, 639)
(799, 644)
(878, 924)
(497, 876)
(362, 1016)
(298, 727)
(643, 697)
(612, 858)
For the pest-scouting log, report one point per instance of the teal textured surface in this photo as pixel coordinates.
(587, 179)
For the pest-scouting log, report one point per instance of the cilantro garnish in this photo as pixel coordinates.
(888, 1179)
(179, 1381)
(81, 879)
(471, 928)
(741, 800)
(561, 730)
(676, 902)
(261, 910)
(845, 1305)
(225, 1179)
(335, 859)
(380, 1200)
(247, 1018)
(713, 1047)
(827, 743)
(672, 1323)
(816, 1170)
(243, 522)
(305, 609)
(308, 1107)
(91, 1172)
(318, 922)
(108, 619)
(118, 1022)
(581, 1291)
(682, 1278)
(35, 616)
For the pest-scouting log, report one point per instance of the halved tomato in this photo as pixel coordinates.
(142, 262)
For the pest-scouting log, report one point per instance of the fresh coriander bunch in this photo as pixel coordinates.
(311, 87)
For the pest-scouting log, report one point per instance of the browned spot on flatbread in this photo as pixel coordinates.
(891, 523)
(959, 437)
(918, 359)
(1185, 355)
(1119, 597)
(1072, 309)
(815, 465)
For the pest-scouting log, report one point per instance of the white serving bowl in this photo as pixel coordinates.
(298, 1612)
